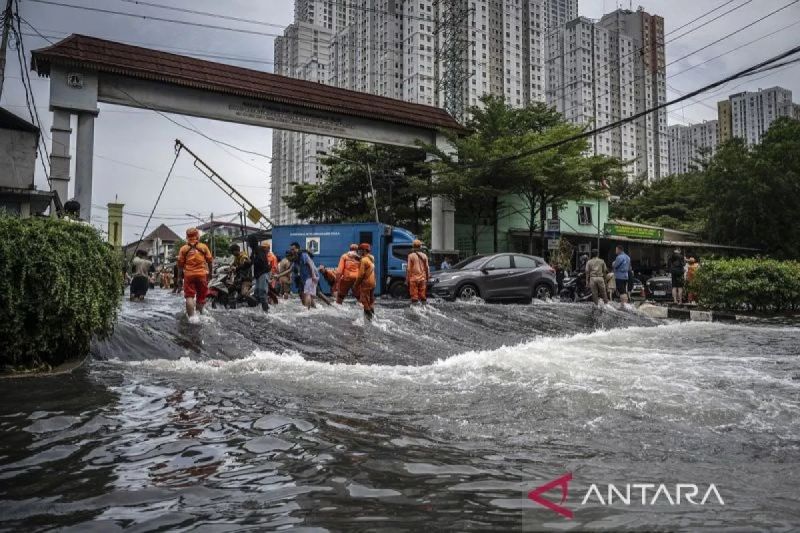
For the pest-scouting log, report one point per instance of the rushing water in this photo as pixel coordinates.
(442, 418)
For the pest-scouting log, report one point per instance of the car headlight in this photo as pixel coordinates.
(434, 280)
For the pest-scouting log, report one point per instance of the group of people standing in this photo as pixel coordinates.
(604, 282)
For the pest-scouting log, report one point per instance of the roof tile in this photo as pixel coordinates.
(146, 63)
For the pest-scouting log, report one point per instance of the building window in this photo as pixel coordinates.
(585, 215)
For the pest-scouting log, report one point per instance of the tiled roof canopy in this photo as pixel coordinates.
(144, 63)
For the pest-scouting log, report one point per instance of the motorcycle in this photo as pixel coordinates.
(575, 289)
(219, 287)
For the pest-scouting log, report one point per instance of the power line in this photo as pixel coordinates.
(635, 51)
(734, 32)
(755, 69)
(159, 19)
(41, 147)
(203, 13)
(639, 78)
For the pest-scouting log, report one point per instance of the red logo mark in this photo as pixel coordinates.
(563, 482)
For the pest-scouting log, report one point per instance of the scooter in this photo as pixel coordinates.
(219, 287)
(575, 289)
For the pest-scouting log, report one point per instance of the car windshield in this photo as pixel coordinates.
(470, 263)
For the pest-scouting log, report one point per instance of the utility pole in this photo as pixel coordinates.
(8, 17)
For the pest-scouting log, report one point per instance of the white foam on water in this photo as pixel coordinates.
(684, 373)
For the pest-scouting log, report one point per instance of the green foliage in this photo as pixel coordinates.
(750, 284)
(60, 286)
(742, 196)
(752, 195)
(399, 178)
(485, 165)
(673, 202)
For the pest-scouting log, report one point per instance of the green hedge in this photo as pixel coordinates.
(761, 285)
(60, 286)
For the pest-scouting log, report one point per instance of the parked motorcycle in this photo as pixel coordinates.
(575, 289)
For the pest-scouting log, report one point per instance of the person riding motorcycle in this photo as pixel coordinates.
(243, 278)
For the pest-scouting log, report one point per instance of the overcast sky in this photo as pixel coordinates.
(134, 148)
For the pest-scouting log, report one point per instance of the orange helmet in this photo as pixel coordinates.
(365, 246)
(417, 243)
(192, 233)
(353, 247)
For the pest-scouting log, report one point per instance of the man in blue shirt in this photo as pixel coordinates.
(304, 265)
(621, 267)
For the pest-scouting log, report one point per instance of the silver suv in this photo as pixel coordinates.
(496, 277)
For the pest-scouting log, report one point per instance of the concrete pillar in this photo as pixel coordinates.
(437, 224)
(84, 155)
(59, 153)
(443, 224)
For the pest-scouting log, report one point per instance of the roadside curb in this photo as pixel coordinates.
(67, 367)
(677, 313)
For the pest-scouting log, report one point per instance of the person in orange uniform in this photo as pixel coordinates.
(330, 276)
(691, 272)
(347, 273)
(195, 259)
(417, 274)
(365, 282)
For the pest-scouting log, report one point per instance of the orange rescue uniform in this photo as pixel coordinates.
(347, 273)
(193, 258)
(417, 274)
(365, 283)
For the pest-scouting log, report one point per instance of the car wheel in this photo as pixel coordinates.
(543, 291)
(398, 290)
(468, 292)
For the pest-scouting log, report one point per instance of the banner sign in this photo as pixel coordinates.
(633, 232)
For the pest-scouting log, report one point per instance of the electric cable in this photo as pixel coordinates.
(166, 180)
(755, 69)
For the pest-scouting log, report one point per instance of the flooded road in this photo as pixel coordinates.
(443, 418)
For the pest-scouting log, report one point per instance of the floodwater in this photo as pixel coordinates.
(441, 418)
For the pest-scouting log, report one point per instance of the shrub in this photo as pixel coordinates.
(60, 286)
(762, 285)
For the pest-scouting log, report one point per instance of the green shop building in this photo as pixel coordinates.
(586, 225)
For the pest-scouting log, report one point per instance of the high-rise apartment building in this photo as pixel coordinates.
(691, 145)
(444, 53)
(304, 52)
(748, 115)
(591, 72)
(601, 72)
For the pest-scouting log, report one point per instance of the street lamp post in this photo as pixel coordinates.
(369, 175)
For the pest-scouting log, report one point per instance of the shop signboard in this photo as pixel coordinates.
(633, 232)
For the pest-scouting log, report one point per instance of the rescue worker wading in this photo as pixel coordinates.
(365, 283)
(347, 273)
(195, 259)
(330, 276)
(417, 274)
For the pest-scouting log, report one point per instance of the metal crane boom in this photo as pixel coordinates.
(253, 213)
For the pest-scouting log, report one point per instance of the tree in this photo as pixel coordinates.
(477, 173)
(399, 178)
(673, 202)
(487, 163)
(751, 195)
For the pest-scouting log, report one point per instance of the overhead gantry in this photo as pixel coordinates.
(86, 70)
